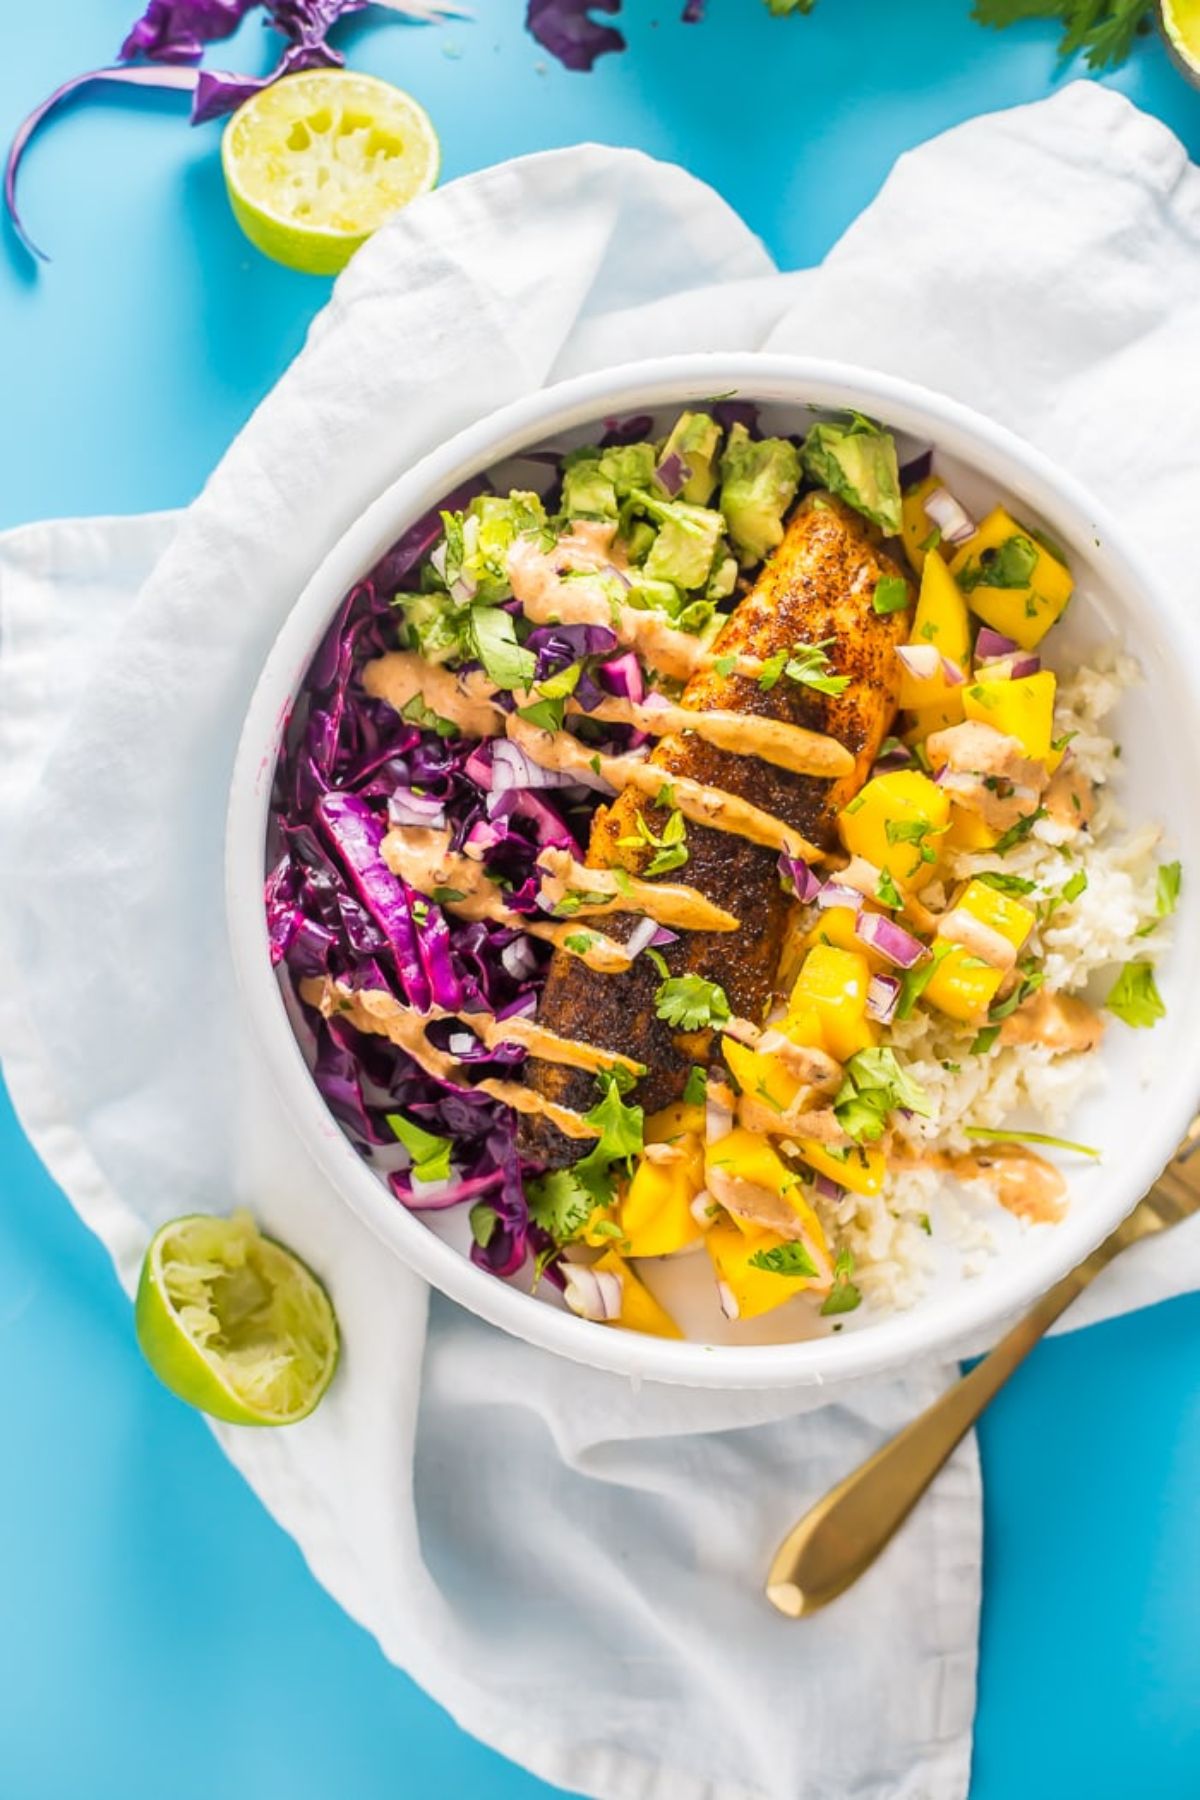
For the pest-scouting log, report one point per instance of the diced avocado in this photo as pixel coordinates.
(723, 579)
(857, 461)
(476, 542)
(628, 467)
(434, 626)
(651, 595)
(694, 439)
(637, 535)
(687, 540)
(588, 493)
(759, 478)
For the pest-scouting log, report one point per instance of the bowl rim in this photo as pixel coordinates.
(968, 1313)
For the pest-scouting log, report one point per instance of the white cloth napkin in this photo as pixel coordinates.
(569, 1564)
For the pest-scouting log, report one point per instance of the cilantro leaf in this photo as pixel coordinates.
(843, 1297)
(1077, 885)
(430, 1154)
(689, 1003)
(1008, 884)
(483, 1220)
(886, 891)
(547, 715)
(808, 664)
(560, 1203)
(1016, 834)
(784, 1259)
(493, 637)
(579, 941)
(1104, 29)
(695, 1089)
(1009, 565)
(1134, 996)
(984, 1040)
(620, 1126)
(914, 981)
(875, 1082)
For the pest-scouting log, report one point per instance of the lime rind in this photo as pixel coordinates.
(233, 1323)
(315, 163)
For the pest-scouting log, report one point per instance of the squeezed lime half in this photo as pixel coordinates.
(233, 1323)
(316, 162)
(1181, 28)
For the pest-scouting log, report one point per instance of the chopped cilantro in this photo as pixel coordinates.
(560, 1203)
(1167, 886)
(843, 1297)
(875, 1083)
(886, 891)
(932, 541)
(1006, 884)
(547, 715)
(1076, 886)
(689, 1003)
(1000, 1009)
(696, 1087)
(987, 1135)
(447, 896)
(808, 664)
(891, 594)
(923, 1220)
(725, 665)
(1016, 834)
(914, 981)
(580, 941)
(1134, 996)
(984, 1040)
(784, 1259)
(1009, 565)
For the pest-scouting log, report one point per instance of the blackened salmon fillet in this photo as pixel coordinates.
(818, 584)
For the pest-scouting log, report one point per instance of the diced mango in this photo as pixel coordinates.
(935, 718)
(832, 984)
(963, 985)
(942, 620)
(673, 1121)
(598, 1232)
(759, 1075)
(640, 1311)
(968, 831)
(755, 1290)
(751, 1156)
(861, 1170)
(893, 820)
(1023, 709)
(835, 925)
(916, 527)
(655, 1215)
(1024, 614)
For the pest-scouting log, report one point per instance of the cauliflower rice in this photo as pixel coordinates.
(891, 1234)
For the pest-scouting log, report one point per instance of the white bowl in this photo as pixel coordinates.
(1152, 1078)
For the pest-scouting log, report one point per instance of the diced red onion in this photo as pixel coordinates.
(663, 936)
(481, 838)
(623, 676)
(1008, 668)
(512, 768)
(898, 757)
(728, 1301)
(718, 1117)
(991, 643)
(699, 1209)
(922, 661)
(407, 808)
(478, 766)
(863, 876)
(883, 994)
(836, 893)
(622, 577)
(671, 473)
(592, 1293)
(518, 958)
(952, 520)
(889, 940)
(461, 1043)
(806, 884)
(653, 702)
(822, 1185)
(951, 673)
(641, 935)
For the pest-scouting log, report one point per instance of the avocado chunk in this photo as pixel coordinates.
(694, 440)
(595, 482)
(472, 558)
(857, 461)
(759, 478)
(687, 540)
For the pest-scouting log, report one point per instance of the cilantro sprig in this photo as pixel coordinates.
(690, 1003)
(807, 664)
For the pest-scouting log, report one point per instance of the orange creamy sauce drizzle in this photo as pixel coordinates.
(1024, 1182)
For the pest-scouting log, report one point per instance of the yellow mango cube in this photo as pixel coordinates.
(968, 831)
(833, 984)
(752, 1157)
(862, 1170)
(761, 1076)
(893, 820)
(673, 1121)
(655, 1215)
(756, 1290)
(1023, 709)
(640, 1311)
(916, 527)
(1023, 613)
(942, 620)
(935, 718)
(962, 985)
(835, 925)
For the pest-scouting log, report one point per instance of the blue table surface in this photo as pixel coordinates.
(156, 1628)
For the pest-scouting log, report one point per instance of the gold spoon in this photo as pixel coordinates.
(842, 1534)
